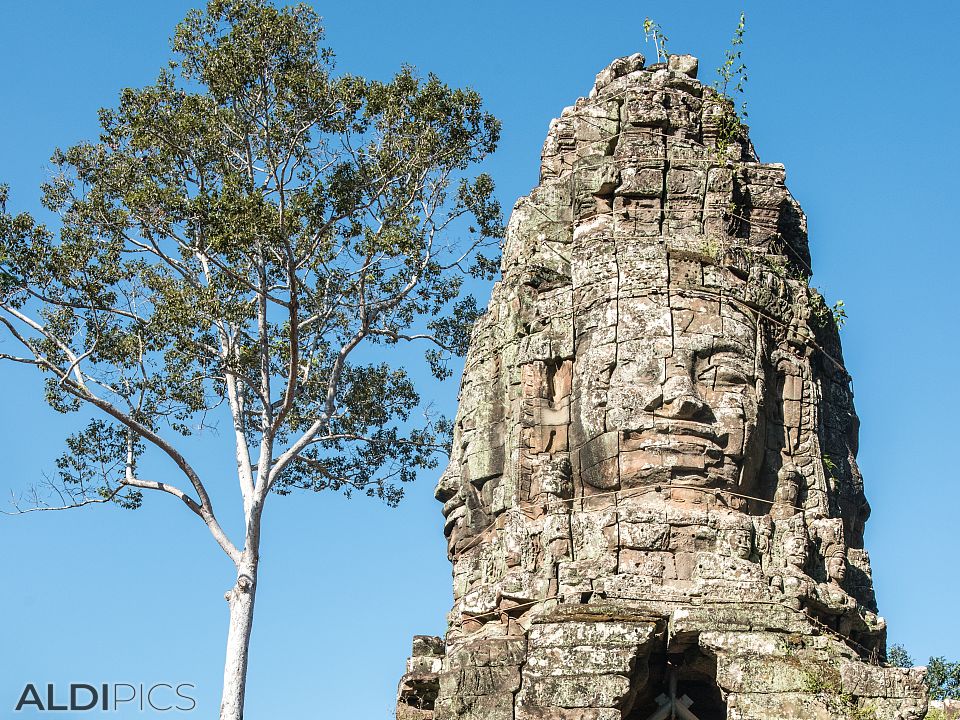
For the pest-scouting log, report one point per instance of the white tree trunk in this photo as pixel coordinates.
(241, 599)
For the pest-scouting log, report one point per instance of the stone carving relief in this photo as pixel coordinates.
(653, 492)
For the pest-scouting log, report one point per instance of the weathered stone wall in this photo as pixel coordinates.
(653, 500)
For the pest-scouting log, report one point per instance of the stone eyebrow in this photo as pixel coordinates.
(723, 345)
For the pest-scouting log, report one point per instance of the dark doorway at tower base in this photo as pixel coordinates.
(681, 685)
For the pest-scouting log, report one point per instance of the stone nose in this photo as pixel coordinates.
(681, 400)
(447, 487)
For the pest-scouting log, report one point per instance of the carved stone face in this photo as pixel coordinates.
(686, 405)
(741, 542)
(837, 568)
(450, 492)
(796, 550)
(764, 533)
(788, 486)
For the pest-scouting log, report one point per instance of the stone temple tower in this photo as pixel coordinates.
(653, 506)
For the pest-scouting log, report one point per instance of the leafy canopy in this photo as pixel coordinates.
(241, 230)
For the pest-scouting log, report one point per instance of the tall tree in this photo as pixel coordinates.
(242, 229)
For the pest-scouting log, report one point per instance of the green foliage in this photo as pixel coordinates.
(835, 314)
(732, 74)
(839, 314)
(98, 458)
(731, 84)
(777, 264)
(943, 677)
(898, 656)
(831, 466)
(713, 248)
(653, 32)
(241, 230)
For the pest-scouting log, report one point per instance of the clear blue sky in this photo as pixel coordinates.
(857, 98)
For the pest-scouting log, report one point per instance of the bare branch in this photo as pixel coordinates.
(333, 386)
(66, 506)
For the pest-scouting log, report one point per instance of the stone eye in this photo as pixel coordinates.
(720, 371)
(708, 375)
